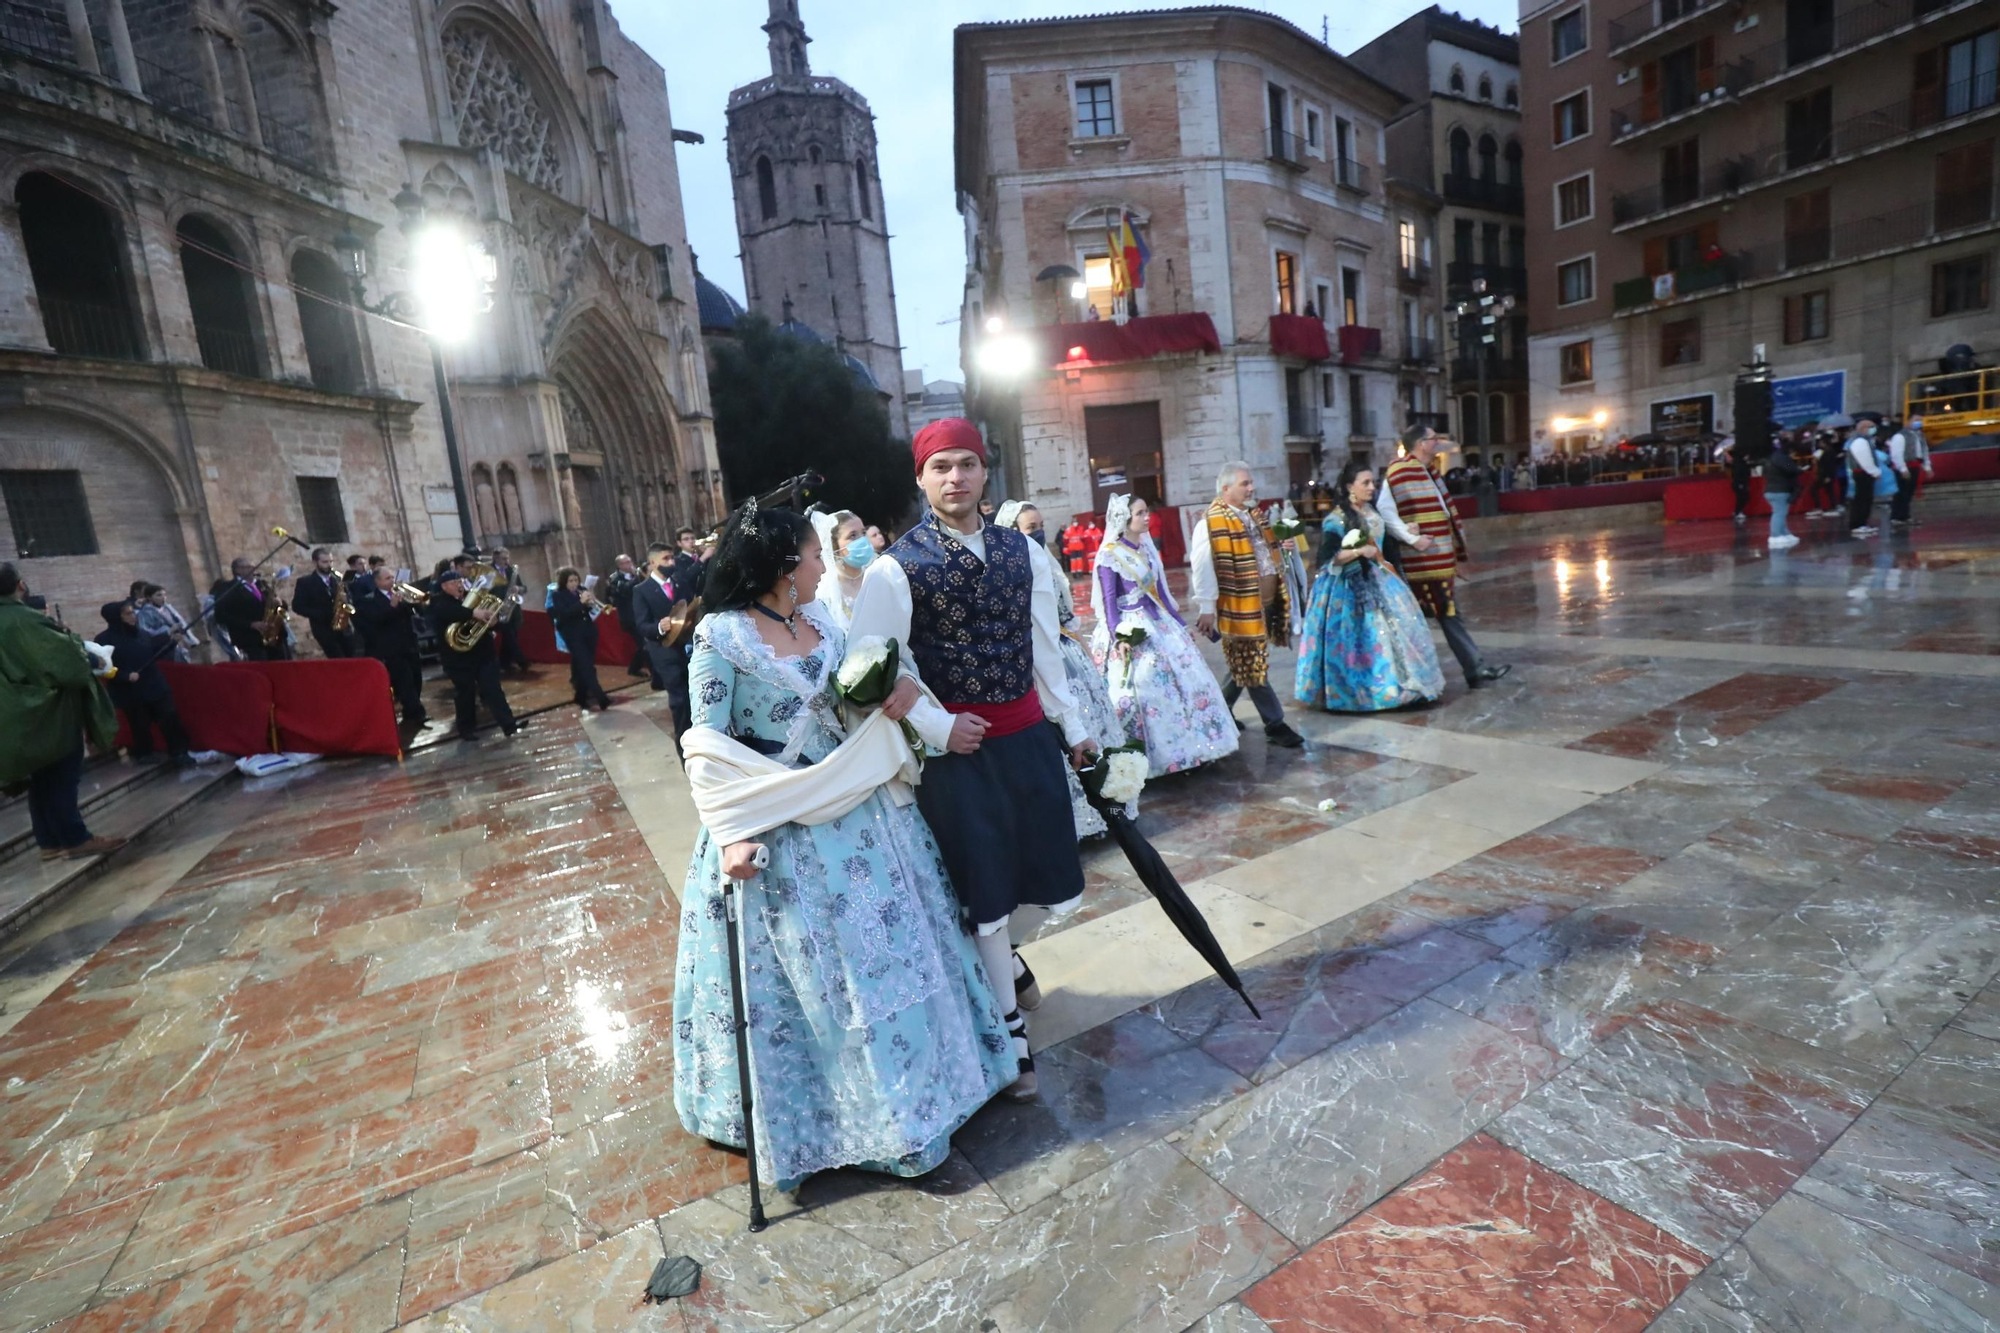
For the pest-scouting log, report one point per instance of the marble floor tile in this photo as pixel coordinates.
(1872, 977)
(1692, 1120)
(1231, 1318)
(1802, 1267)
(598, 1290)
(1486, 1237)
(1923, 1163)
(1660, 815)
(51, 1269)
(1322, 1141)
(1981, 1017)
(1150, 1243)
(1104, 1095)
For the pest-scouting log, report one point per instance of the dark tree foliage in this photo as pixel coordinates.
(785, 406)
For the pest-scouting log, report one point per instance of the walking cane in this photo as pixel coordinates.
(737, 976)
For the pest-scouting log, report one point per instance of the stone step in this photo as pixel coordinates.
(104, 780)
(28, 883)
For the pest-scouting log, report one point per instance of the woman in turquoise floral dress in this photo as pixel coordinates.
(1366, 645)
(873, 1031)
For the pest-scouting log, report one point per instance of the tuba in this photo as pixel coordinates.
(479, 595)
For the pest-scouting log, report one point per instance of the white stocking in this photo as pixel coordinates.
(998, 958)
(1024, 921)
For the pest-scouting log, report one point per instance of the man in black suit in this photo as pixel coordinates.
(624, 581)
(510, 587)
(474, 674)
(652, 602)
(687, 568)
(239, 609)
(314, 597)
(389, 629)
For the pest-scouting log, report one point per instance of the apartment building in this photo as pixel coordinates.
(1812, 177)
(1247, 158)
(1461, 139)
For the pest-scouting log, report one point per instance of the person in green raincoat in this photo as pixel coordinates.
(50, 700)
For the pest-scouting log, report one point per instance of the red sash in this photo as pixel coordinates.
(1004, 719)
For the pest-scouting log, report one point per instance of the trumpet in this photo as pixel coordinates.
(411, 593)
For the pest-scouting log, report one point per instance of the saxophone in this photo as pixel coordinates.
(343, 610)
(272, 630)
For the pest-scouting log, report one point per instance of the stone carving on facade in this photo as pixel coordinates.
(496, 107)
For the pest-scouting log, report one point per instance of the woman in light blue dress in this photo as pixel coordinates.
(873, 1030)
(1366, 645)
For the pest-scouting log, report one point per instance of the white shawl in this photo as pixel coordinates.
(740, 793)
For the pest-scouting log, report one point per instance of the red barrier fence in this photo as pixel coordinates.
(339, 707)
(538, 639)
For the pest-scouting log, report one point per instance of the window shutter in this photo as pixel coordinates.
(1706, 236)
(1704, 64)
(1794, 319)
(1656, 256)
(1649, 90)
(1926, 93)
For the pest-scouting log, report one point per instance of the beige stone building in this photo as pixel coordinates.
(1813, 177)
(1461, 139)
(1249, 158)
(182, 364)
(810, 212)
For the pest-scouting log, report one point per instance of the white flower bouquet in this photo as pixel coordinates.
(1354, 537)
(1131, 631)
(1118, 776)
(867, 677)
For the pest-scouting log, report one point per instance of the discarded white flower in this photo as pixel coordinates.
(863, 656)
(1124, 776)
(1329, 804)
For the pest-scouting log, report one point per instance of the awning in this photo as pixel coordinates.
(1098, 341)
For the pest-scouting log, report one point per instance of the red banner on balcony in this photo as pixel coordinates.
(1358, 342)
(1300, 335)
(1100, 341)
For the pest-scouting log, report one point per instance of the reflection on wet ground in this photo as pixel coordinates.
(1653, 986)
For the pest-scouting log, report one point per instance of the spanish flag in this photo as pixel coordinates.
(1132, 249)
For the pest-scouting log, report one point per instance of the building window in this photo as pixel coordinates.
(1972, 73)
(1323, 301)
(862, 193)
(1575, 281)
(49, 513)
(326, 519)
(1806, 317)
(1350, 296)
(1457, 80)
(767, 189)
(218, 297)
(1808, 228)
(1567, 36)
(1680, 343)
(1485, 87)
(1573, 201)
(76, 256)
(1574, 362)
(1406, 245)
(819, 195)
(1094, 117)
(1572, 117)
(1964, 186)
(333, 352)
(1513, 95)
(1313, 130)
(1288, 282)
(1098, 293)
(1680, 172)
(1959, 286)
(1809, 129)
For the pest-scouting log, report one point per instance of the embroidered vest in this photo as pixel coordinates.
(970, 633)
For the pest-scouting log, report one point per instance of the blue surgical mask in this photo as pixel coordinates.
(1038, 537)
(860, 553)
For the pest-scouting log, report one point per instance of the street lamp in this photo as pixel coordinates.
(452, 275)
(1490, 309)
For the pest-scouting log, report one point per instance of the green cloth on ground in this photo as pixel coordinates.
(47, 694)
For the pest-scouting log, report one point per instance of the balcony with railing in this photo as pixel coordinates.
(1282, 146)
(1437, 421)
(1885, 127)
(88, 328)
(1688, 280)
(1655, 18)
(1499, 367)
(1500, 279)
(233, 351)
(1414, 272)
(1361, 423)
(1484, 192)
(1716, 87)
(1358, 343)
(1419, 351)
(1302, 421)
(1351, 175)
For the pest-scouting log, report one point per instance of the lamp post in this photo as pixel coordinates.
(452, 275)
(1489, 309)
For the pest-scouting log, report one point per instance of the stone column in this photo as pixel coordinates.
(121, 47)
(253, 125)
(211, 81)
(79, 36)
(20, 320)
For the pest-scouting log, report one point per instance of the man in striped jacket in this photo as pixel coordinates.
(1418, 514)
(1238, 588)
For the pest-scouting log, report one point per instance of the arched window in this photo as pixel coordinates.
(819, 194)
(485, 502)
(767, 189)
(1489, 152)
(286, 89)
(218, 292)
(76, 256)
(1457, 82)
(1513, 94)
(332, 351)
(1461, 153)
(861, 191)
(812, 154)
(1513, 156)
(510, 499)
(498, 106)
(1486, 87)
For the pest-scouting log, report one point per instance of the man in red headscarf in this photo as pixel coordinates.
(976, 615)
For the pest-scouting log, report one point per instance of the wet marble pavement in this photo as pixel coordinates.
(1653, 988)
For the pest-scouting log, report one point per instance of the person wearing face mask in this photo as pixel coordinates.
(849, 552)
(1865, 475)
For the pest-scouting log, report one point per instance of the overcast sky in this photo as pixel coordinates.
(898, 56)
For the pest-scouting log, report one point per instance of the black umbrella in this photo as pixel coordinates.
(1167, 891)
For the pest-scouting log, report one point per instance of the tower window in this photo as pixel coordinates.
(861, 188)
(767, 189)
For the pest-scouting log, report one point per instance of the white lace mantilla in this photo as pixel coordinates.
(734, 637)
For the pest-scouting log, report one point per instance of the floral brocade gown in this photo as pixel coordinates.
(1366, 645)
(873, 1029)
(1165, 696)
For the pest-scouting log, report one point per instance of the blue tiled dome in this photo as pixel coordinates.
(717, 308)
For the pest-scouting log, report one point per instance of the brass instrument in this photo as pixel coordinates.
(479, 596)
(272, 628)
(411, 594)
(343, 610)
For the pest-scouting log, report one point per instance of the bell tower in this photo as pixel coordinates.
(809, 210)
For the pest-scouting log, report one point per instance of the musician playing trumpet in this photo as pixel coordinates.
(474, 672)
(575, 609)
(388, 620)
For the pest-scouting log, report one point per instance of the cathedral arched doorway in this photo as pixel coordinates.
(621, 439)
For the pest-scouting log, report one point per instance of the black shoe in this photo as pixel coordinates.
(417, 722)
(516, 729)
(1485, 676)
(468, 735)
(1280, 734)
(1024, 1088)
